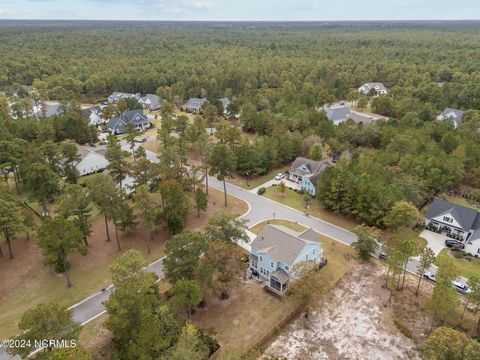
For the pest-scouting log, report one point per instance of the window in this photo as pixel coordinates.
(306, 257)
(313, 251)
(286, 267)
(271, 265)
(261, 258)
(447, 219)
(254, 264)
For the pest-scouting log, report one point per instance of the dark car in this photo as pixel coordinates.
(450, 243)
(142, 140)
(383, 255)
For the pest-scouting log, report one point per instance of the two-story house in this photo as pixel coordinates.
(277, 249)
(453, 115)
(151, 102)
(195, 104)
(457, 221)
(377, 87)
(116, 125)
(305, 172)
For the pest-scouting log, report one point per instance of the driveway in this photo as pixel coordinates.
(288, 183)
(436, 242)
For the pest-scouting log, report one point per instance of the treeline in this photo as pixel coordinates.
(406, 159)
(91, 62)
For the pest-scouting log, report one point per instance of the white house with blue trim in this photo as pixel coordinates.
(305, 172)
(277, 249)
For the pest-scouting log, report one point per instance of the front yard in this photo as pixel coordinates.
(467, 265)
(297, 201)
(254, 181)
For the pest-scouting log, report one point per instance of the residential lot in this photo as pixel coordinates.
(351, 322)
(251, 312)
(297, 201)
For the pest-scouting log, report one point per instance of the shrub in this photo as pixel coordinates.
(261, 191)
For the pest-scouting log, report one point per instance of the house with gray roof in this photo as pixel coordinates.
(195, 104)
(338, 114)
(225, 102)
(459, 222)
(453, 115)
(94, 115)
(151, 102)
(44, 110)
(116, 125)
(305, 173)
(379, 88)
(277, 249)
(122, 95)
(91, 161)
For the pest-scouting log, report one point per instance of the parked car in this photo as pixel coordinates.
(383, 255)
(461, 288)
(142, 140)
(450, 243)
(279, 176)
(429, 276)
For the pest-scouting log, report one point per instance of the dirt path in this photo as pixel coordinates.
(351, 323)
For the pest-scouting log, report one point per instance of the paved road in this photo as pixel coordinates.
(260, 209)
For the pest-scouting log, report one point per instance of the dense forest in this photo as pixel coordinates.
(278, 75)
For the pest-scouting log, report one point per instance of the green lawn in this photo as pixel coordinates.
(255, 181)
(468, 266)
(296, 201)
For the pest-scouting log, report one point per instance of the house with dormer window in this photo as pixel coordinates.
(275, 252)
(453, 115)
(459, 222)
(117, 124)
(305, 172)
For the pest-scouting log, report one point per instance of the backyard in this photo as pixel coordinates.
(250, 312)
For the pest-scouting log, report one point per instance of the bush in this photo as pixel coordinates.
(261, 191)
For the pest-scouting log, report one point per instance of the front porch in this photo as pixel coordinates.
(447, 230)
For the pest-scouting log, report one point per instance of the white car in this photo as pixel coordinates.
(428, 275)
(462, 288)
(279, 177)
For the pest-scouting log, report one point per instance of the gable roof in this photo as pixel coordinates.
(283, 244)
(375, 85)
(465, 216)
(151, 99)
(314, 167)
(196, 103)
(92, 110)
(338, 114)
(225, 101)
(454, 114)
(135, 116)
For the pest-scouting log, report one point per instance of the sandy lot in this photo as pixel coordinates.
(352, 322)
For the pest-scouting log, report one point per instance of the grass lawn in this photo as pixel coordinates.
(255, 181)
(250, 312)
(296, 201)
(468, 266)
(26, 282)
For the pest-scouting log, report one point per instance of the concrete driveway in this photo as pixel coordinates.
(436, 242)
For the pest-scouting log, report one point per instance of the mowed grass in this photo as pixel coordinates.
(250, 312)
(468, 266)
(296, 201)
(255, 181)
